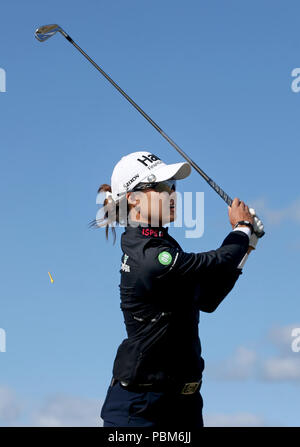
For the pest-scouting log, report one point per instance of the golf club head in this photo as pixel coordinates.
(44, 32)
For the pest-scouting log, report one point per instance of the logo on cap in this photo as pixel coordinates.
(147, 160)
(127, 184)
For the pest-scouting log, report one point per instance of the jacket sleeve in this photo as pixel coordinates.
(215, 286)
(214, 272)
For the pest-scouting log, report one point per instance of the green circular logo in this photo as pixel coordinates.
(165, 258)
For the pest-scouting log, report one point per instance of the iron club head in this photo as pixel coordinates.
(44, 32)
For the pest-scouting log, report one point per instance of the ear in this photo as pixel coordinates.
(131, 198)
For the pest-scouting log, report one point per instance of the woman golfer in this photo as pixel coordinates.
(157, 371)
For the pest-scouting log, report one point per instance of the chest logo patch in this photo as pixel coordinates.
(165, 258)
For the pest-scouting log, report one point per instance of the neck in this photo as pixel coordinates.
(147, 223)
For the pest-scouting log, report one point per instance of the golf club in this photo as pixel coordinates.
(45, 32)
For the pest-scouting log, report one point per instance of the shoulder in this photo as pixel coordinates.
(160, 256)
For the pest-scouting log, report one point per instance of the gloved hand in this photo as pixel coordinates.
(258, 228)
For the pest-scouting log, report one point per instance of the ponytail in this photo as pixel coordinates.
(111, 212)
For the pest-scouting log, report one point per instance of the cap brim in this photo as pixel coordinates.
(176, 171)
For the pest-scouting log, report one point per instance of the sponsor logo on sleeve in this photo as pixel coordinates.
(165, 258)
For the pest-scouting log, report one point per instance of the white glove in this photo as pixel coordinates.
(258, 228)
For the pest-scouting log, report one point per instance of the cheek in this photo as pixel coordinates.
(145, 205)
(156, 204)
(165, 203)
(165, 206)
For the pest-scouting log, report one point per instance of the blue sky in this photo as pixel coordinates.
(216, 76)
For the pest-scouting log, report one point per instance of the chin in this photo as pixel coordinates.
(171, 218)
(172, 214)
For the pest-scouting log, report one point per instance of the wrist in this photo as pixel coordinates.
(244, 223)
(243, 229)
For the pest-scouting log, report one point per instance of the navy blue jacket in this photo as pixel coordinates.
(162, 291)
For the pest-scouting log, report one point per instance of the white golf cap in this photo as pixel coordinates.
(144, 166)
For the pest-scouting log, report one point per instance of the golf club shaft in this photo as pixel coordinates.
(217, 188)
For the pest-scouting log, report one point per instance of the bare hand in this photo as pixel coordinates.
(239, 211)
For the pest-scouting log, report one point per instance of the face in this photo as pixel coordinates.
(155, 205)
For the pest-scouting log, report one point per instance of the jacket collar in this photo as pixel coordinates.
(147, 230)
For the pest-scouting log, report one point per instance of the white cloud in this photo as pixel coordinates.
(234, 420)
(66, 410)
(10, 408)
(286, 365)
(62, 410)
(246, 363)
(281, 337)
(57, 410)
(239, 366)
(281, 368)
(289, 213)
